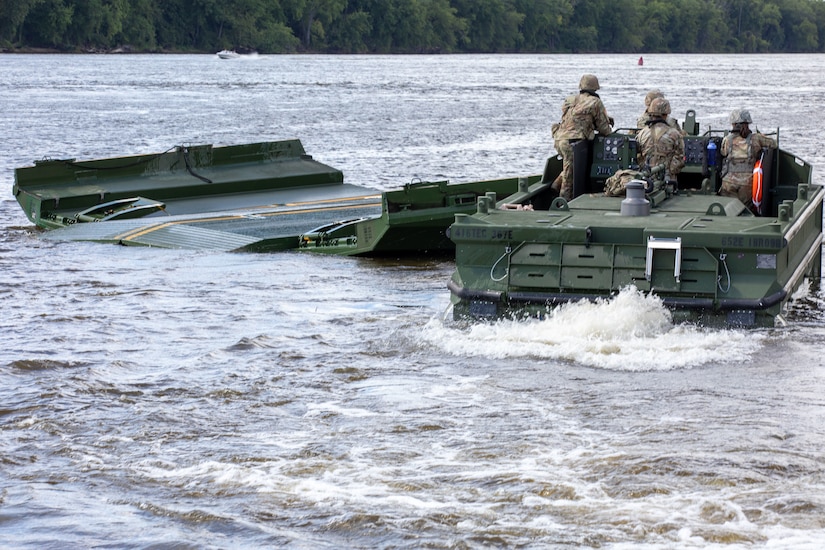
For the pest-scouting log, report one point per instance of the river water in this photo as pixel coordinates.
(163, 398)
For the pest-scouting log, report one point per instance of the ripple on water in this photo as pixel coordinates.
(203, 399)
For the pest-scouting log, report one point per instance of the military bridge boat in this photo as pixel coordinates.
(708, 257)
(519, 248)
(258, 197)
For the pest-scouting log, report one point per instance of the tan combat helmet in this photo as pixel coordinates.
(589, 83)
(651, 95)
(660, 107)
(739, 116)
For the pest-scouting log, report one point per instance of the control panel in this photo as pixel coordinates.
(611, 147)
(619, 151)
(612, 153)
(701, 154)
(694, 151)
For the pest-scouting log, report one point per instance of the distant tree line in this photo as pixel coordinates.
(416, 26)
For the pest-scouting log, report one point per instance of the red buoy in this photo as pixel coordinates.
(641, 61)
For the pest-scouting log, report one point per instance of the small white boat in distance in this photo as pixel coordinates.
(228, 54)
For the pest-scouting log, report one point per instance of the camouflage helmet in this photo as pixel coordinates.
(651, 95)
(738, 116)
(589, 83)
(659, 106)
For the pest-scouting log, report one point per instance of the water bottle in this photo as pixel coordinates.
(711, 153)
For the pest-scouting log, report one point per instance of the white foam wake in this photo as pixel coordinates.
(631, 331)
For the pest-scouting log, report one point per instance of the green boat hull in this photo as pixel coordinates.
(413, 220)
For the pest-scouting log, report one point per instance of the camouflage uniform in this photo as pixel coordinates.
(660, 143)
(616, 185)
(582, 115)
(740, 154)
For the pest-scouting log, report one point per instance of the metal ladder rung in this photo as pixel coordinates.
(664, 244)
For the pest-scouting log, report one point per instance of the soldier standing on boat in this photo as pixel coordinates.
(740, 150)
(661, 143)
(582, 115)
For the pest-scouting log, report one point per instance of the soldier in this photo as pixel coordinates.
(740, 150)
(582, 115)
(651, 95)
(660, 143)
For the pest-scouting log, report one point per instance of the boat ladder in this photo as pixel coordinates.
(664, 244)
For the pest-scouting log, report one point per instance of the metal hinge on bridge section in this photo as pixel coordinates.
(664, 244)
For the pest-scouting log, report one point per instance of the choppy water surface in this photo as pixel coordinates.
(156, 398)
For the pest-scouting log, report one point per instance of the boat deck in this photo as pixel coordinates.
(697, 217)
(269, 220)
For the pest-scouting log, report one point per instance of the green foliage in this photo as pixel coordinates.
(417, 26)
(350, 32)
(12, 15)
(543, 23)
(493, 25)
(621, 27)
(54, 19)
(139, 27)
